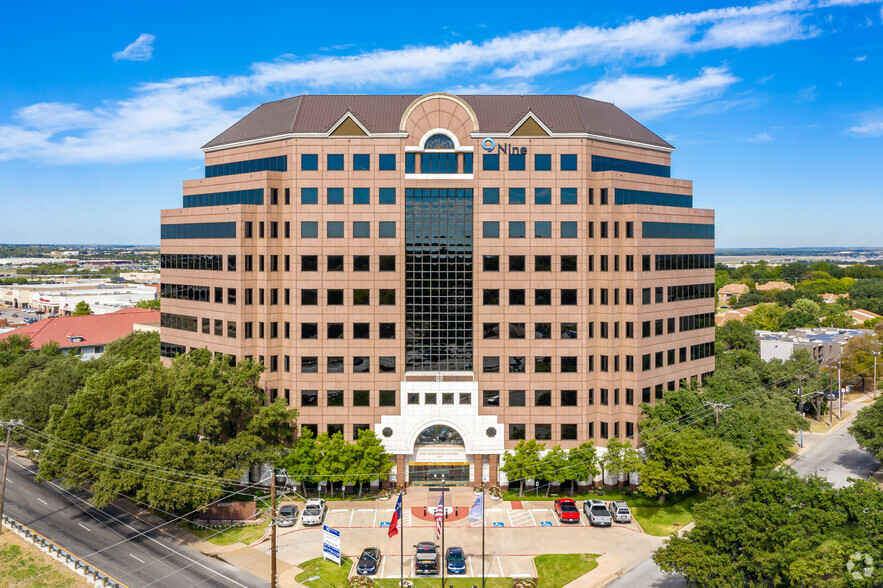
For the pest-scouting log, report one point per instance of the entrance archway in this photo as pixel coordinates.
(439, 454)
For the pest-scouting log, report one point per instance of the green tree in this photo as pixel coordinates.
(522, 462)
(795, 319)
(867, 428)
(807, 306)
(370, 459)
(765, 317)
(337, 459)
(582, 462)
(553, 467)
(302, 462)
(779, 530)
(736, 335)
(13, 347)
(82, 309)
(620, 458)
(151, 304)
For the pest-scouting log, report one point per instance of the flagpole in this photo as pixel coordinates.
(402, 540)
(443, 560)
(482, 536)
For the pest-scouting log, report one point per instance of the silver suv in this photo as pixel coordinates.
(314, 512)
(597, 513)
(620, 512)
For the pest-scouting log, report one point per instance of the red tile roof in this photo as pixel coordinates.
(98, 329)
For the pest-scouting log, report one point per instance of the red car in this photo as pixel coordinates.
(566, 510)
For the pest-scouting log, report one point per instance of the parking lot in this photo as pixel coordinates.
(514, 534)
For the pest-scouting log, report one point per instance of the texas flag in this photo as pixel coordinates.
(394, 523)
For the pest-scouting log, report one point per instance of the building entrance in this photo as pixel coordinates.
(432, 474)
(439, 454)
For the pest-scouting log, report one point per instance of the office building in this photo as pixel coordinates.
(456, 273)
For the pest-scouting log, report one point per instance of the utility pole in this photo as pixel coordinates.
(839, 394)
(876, 353)
(8, 425)
(273, 528)
(718, 407)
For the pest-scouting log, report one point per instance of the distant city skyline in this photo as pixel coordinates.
(775, 109)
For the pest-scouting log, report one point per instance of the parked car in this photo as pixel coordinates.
(566, 510)
(314, 512)
(369, 561)
(456, 560)
(597, 513)
(287, 515)
(620, 512)
(426, 558)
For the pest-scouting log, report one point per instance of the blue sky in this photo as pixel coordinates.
(775, 109)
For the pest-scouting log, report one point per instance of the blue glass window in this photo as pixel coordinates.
(438, 142)
(278, 163)
(198, 231)
(516, 162)
(600, 164)
(409, 163)
(516, 195)
(334, 196)
(652, 230)
(542, 162)
(542, 195)
(490, 196)
(568, 229)
(387, 195)
(568, 162)
(309, 195)
(622, 196)
(568, 195)
(361, 230)
(543, 230)
(361, 162)
(361, 196)
(387, 229)
(309, 229)
(490, 230)
(386, 162)
(253, 196)
(335, 162)
(516, 230)
(309, 161)
(467, 163)
(438, 163)
(490, 162)
(335, 230)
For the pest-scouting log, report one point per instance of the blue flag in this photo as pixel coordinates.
(476, 512)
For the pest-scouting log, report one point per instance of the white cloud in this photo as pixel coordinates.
(140, 50)
(870, 126)
(170, 118)
(806, 94)
(861, 58)
(651, 96)
(763, 137)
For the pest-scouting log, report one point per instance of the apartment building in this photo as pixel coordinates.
(455, 273)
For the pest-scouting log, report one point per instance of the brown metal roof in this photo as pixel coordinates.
(382, 114)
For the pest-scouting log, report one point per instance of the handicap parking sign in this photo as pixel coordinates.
(545, 524)
(498, 524)
(386, 524)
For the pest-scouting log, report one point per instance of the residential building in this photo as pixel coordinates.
(729, 292)
(456, 273)
(770, 286)
(733, 314)
(860, 315)
(87, 335)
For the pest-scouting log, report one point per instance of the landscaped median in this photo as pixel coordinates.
(553, 571)
(655, 518)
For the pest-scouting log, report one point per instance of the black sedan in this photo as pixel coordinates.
(369, 562)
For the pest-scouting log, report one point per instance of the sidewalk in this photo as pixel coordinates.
(608, 569)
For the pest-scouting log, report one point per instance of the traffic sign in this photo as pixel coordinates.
(384, 524)
(499, 525)
(545, 524)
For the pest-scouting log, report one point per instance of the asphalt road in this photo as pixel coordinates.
(834, 456)
(109, 538)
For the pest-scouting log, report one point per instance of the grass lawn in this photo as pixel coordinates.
(555, 571)
(229, 535)
(19, 560)
(664, 519)
(330, 574)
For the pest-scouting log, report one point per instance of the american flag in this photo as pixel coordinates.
(394, 523)
(439, 516)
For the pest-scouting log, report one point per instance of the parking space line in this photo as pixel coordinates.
(382, 564)
(374, 524)
(352, 514)
(500, 563)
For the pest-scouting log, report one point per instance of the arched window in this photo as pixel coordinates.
(439, 435)
(438, 142)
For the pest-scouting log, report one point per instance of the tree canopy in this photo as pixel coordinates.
(867, 428)
(82, 309)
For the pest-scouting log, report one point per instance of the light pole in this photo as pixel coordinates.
(8, 425)
(876, 353)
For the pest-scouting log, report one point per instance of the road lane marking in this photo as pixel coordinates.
(85, 527)
(138, 558)
(352, 514)
(43, 501)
